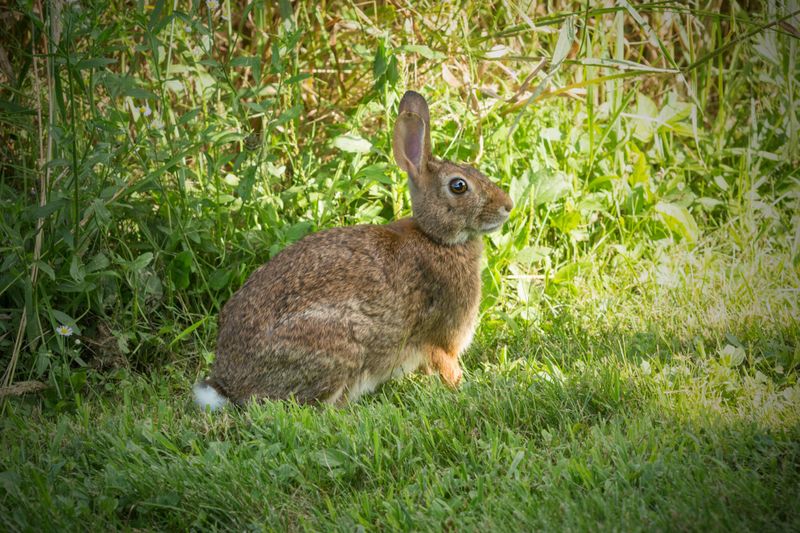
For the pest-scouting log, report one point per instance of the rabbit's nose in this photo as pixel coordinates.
(508, 205)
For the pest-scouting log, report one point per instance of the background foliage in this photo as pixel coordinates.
(154, 154)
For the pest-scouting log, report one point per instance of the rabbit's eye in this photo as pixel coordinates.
(458, 186)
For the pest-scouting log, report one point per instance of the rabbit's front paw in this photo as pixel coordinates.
(447, 366)
(452, 374)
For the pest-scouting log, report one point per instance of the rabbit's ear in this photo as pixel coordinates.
(412, 136)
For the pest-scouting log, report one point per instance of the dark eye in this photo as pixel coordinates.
(458, 186)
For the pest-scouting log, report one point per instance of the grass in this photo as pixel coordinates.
(637, 361)
(624, 429)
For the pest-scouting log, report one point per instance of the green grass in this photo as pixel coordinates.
(636, 367)
(576, 434)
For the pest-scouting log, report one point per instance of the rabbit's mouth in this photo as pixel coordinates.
(493, 226)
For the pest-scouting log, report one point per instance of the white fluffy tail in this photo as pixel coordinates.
(207, 397)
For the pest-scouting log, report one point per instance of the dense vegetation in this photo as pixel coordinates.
(637, 360)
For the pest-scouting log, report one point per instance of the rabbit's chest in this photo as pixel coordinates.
(450, 303)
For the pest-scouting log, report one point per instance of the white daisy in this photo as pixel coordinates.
(64, 331)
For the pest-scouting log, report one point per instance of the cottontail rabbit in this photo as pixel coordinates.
(343, 310)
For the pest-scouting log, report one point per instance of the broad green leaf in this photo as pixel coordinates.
(141, 261)
(645, 121)
(290, 114)
(76, 270)
(352, 143)
(64, 319)
(533, 254)
(641, 170)
(519, 188)
(295, 232)
(567, 221)
(568, 272)
(219, 279)
(550, 187)
(379, 64)
(96, 62)
(732, 356)
(422, 50)
(179, 270)
(376, 172)
(679, 220)
(565, 39)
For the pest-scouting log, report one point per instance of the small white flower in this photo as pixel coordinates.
(157, 124)
(225, 17)
(187, 28)
(212, 4)
(681, 186)
(145, 109)
(64, 331)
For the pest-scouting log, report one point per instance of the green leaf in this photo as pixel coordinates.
(567, 221)
(188, 116)
(64, 319)
(732, 356)
(379, 63)
(47, 269)
(180, 268)
(276, 63)
(352, 143)
(645, 121)
(290, 114)
(392, 72)
(550, 187)
(297, 78)
(50, 207)
(298, 231)
(101, 213)
(533, 254)
(568, 272)
(138, 92)
(141, 262)
(98, 262)
(564, 44)
(422, 50)
(679, 220)
(96, 62)
(76, 270)
(376, 172)
(245, 187)
(641, 170)
(219, 279)
(518, 190)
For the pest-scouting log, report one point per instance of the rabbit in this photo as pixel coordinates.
(343, 310)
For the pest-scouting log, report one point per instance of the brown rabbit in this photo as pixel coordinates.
(343, 310)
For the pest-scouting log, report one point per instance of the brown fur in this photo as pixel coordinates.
(344, 309)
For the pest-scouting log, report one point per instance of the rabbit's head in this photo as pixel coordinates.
(452, 203)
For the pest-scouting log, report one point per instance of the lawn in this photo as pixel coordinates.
(636, 363)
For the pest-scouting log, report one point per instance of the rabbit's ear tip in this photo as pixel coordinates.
(413, 102)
